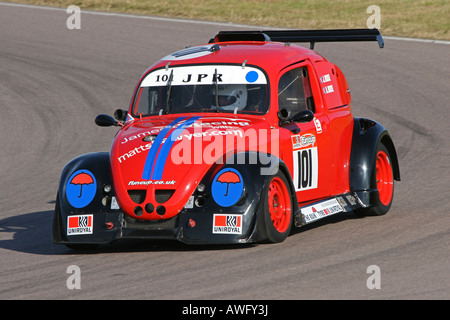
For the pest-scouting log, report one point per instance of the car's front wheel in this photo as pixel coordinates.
(277, 208)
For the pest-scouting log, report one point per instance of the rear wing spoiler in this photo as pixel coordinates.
(311, 36)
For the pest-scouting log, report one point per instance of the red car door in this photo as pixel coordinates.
(336, 122)
(309, 151)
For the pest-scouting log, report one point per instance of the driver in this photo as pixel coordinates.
(231, 96)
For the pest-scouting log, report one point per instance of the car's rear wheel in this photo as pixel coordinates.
(384, 183)
(385, 177)
(277, 208)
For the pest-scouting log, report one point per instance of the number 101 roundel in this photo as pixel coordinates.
(234, 141)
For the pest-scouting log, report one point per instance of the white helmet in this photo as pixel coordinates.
(232, 96)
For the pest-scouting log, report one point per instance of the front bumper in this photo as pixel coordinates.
(187, 227)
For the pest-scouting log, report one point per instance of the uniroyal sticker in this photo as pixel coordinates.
(303, 141)
(81, 224)
(227, 224)
(321, 210)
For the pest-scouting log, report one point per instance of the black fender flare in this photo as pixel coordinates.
(261, 173)
(256, 168)
(367, 135)
(98, 163)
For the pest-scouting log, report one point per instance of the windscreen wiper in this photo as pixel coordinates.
(169, 89)
(217, 90)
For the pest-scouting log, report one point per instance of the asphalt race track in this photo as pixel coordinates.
(54, 81)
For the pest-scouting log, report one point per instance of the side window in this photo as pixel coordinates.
(308, 93)
(294, 91)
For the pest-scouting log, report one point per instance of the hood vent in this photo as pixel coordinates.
(162, 196)
(138, 196)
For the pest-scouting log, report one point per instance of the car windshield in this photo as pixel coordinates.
(202, 88)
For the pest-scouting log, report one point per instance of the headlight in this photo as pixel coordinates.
(107, 188)
(201, 187)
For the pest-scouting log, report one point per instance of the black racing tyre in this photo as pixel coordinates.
(384, 182)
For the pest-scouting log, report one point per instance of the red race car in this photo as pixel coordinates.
(233, 141)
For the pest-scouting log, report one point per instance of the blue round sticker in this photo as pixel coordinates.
(81, 188)
(251, 76)
(227, 187)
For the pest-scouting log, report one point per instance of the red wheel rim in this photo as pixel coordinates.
(385, 180)
(279, 205)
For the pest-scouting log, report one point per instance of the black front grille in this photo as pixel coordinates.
(162, 196)
(164, 224)
(138, 196)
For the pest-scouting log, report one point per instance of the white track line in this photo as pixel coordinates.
(176, 20)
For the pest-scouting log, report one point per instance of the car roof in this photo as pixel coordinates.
(271, 56)
(270, 49)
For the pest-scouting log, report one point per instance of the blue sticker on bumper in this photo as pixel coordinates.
(81, 188)
(227, 187)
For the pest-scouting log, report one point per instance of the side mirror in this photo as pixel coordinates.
(120, 114)
(303, 116)
(105, 120)
(283, 115)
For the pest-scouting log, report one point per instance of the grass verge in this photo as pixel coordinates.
(406, 18)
